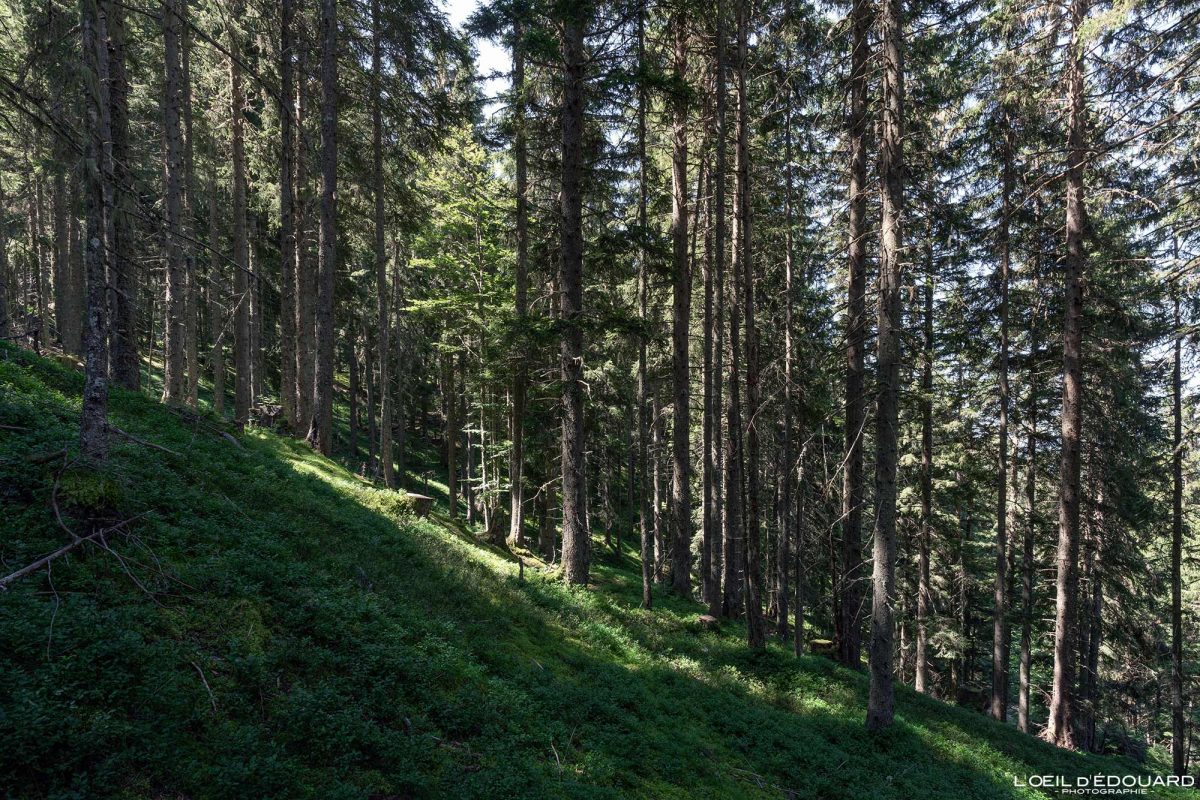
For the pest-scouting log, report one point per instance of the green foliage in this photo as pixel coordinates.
(299, 636)
(89, 490)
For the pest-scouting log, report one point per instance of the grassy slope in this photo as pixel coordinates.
(298, 637)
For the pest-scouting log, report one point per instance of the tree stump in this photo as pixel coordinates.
(978, 698)
(421, 504)
(821, 647)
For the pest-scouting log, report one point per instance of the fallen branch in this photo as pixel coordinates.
(196, 420)
(62, 551)
(211, 697)
(44, 560)
(142, 442)
(45, 458)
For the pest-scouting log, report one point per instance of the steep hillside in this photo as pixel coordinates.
(267, 625)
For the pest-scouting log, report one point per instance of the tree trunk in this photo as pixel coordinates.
(786, 484)
(1027, 552)
(848, 621)
(924, 588)
(520, 378)
(881, 704)
(1000, 631)
(1177, 719)
(397, 345)
(370, 390)
(657, 435)
(450, 404)
(43, 260)
(743, 253)
(733, 598)
(254, 292)
(217, 317)
(37, 280)
(320, 432)
(576, 537)
(709, 578)
(241, 248)
(1059, 729)
(385, 393)
(545, 525)
(719, 601)
(466, 445)
(798, 527)
(76, 291)
(123, 275)
(59, 210)
(306, 277)
(681, 500)
(646, 545)
(98, 205)
(354, 366)
(175, 377)
(287, 217)
(191, 311)
(1095, 637)
(5, 290)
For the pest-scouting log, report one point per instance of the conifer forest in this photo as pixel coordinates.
(599, 399)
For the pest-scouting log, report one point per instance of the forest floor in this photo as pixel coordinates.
(269, 625)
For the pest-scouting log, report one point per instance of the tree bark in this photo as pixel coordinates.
(98, 205)
(657, 434)
(465, 444)
(646, 545)
(999, 703)
(217, 317)
(450, 405)
(1027, 565)
(59, 210)
(385, 393)
(191, 311)
(123, 274)
(710, 578)
(848, 621)
(241, 249)
(354, 366)
(743, 250)
(786, 483)
(881, 703)
(254, 292)
(681, 500)
(1031, 521)
(576, 537)
(1059, 729)
(175, 376)
(924, 588)
(1178, 765)
(43, 255)
(320, 432)
(306, 277)
(5, 290)
(37, 280)
(520, 378)
(287, 216)
(722, 601)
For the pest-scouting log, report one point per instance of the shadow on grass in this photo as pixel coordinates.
(295, 639)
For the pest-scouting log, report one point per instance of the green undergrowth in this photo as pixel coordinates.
(267, 625)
